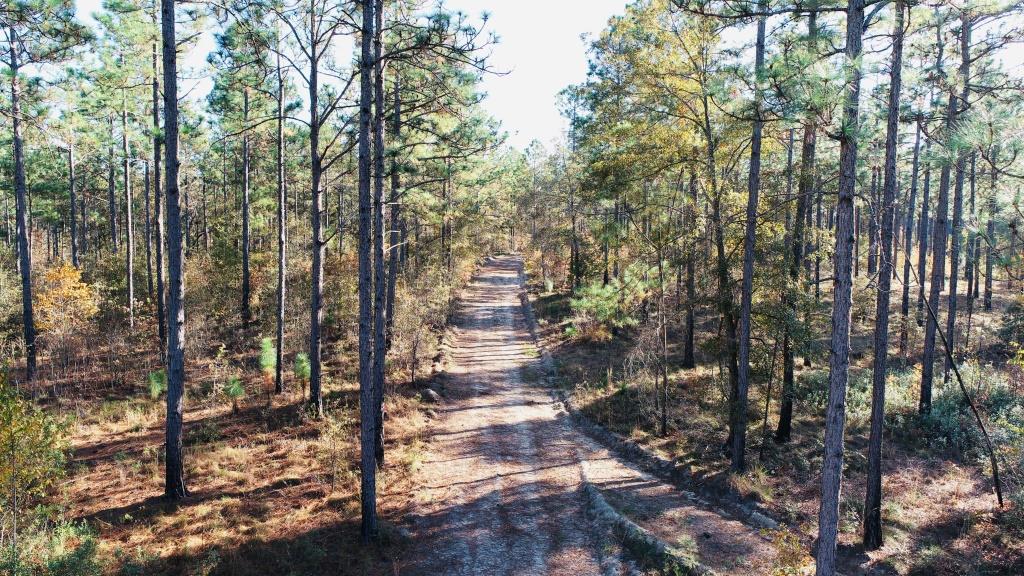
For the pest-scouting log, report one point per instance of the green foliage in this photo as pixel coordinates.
(52, 549)
(32, 451)
(301, 367)
(234, 390)
(157, 382)
(268, 357)
(1011, 330)
(599, 307)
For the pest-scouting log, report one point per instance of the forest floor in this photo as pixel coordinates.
(504, 466)
(939, 510)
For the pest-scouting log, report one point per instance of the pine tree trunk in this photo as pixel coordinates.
(73, 201)
(128, 223)
(316, 299)
(805, 187)
(246, 278)
(958, 201)
(908, 240)
(158, 207)
(367, 405)
(174, 482)
(22, 214)
(111, 194)
(148, 231)
(938, 253)
(839, 355)
(282, 228)
(990, 237)
(739, 434)
(691, 281)
(873, 497)
(379, 287)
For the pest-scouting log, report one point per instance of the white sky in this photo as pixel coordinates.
(540, 47)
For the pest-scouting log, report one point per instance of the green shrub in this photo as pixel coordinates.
(1011, 330)
(33, 449)
(234, 390)
(157, 383)
(268, 357)
(301, 370)
(600, 307)
(52, 549)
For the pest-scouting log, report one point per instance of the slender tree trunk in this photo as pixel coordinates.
(73, 201)
(908, 240)
(958, 199)
(922, 238)
(367, 405)
(282, 227)
(938, 265)
(161, 237)
(316, 299)
(691, 281)
(969, 260)
(174, 484)
(379, 280)
(111, 193)
(246, 278)
(739, 435)
(873, 496)
(393, 256)
(805, 187)
(129, 228)
(148, 231)
(873, 210)
(990, 237)
(839, 355)
(22, 210)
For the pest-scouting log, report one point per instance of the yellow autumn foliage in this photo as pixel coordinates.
(65, 302)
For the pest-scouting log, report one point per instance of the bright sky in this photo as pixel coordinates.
(540, 47)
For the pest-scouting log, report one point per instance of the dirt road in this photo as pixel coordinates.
(502, 473)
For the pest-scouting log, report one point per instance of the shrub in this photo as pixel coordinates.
(52, 549)
(301, 371)
(234, 390)
(157, 383)
(32, 456)
(599, 307)
(1011, 330)
(268, 358)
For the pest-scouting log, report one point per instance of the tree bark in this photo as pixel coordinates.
(908, 240)
(805, 187)
(873, 496)
(73, 201)
(158, 204)
(367, 405)
(111, 192)
(246, 278)
(990, 237)
(739, 435)
(958, 197)
(938, 259)
(174, 481)
(839, 355)
(129, 228)
(22, 210)
(282, 227)
(379, 280)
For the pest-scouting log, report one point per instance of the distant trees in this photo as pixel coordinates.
(35, 32)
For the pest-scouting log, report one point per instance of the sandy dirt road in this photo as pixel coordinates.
(502, 473)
